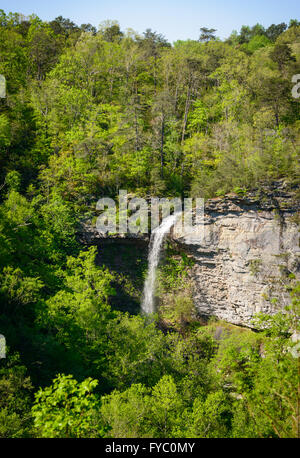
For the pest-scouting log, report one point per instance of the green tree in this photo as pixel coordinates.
(67, 409)
(207, 34)
(211, 418)
(15, 399)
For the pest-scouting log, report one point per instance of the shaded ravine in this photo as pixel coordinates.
(127, 260)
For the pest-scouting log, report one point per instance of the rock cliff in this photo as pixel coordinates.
(249, 247)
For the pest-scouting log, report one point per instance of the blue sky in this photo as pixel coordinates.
(174, 19)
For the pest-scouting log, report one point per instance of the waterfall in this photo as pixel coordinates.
(156, 240)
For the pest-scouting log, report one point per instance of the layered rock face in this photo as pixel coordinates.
(249, 247)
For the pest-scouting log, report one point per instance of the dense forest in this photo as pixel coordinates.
(88, 112)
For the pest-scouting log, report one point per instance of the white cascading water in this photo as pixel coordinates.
(156, 240)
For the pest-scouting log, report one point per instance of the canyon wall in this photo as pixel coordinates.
(246, 253)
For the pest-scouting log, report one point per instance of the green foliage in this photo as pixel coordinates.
(18, 288)
(125, 413)
(78, 313)
(15, 399)
(254, 265)
(257, 42)
(177, 308)
(141, 412)
(67, 409)
(135, 351)
(89, 112)
(5, 134)
(211, 418)
(166, 405)
(264, 373)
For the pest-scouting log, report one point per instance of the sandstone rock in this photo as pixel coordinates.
(248, 247)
